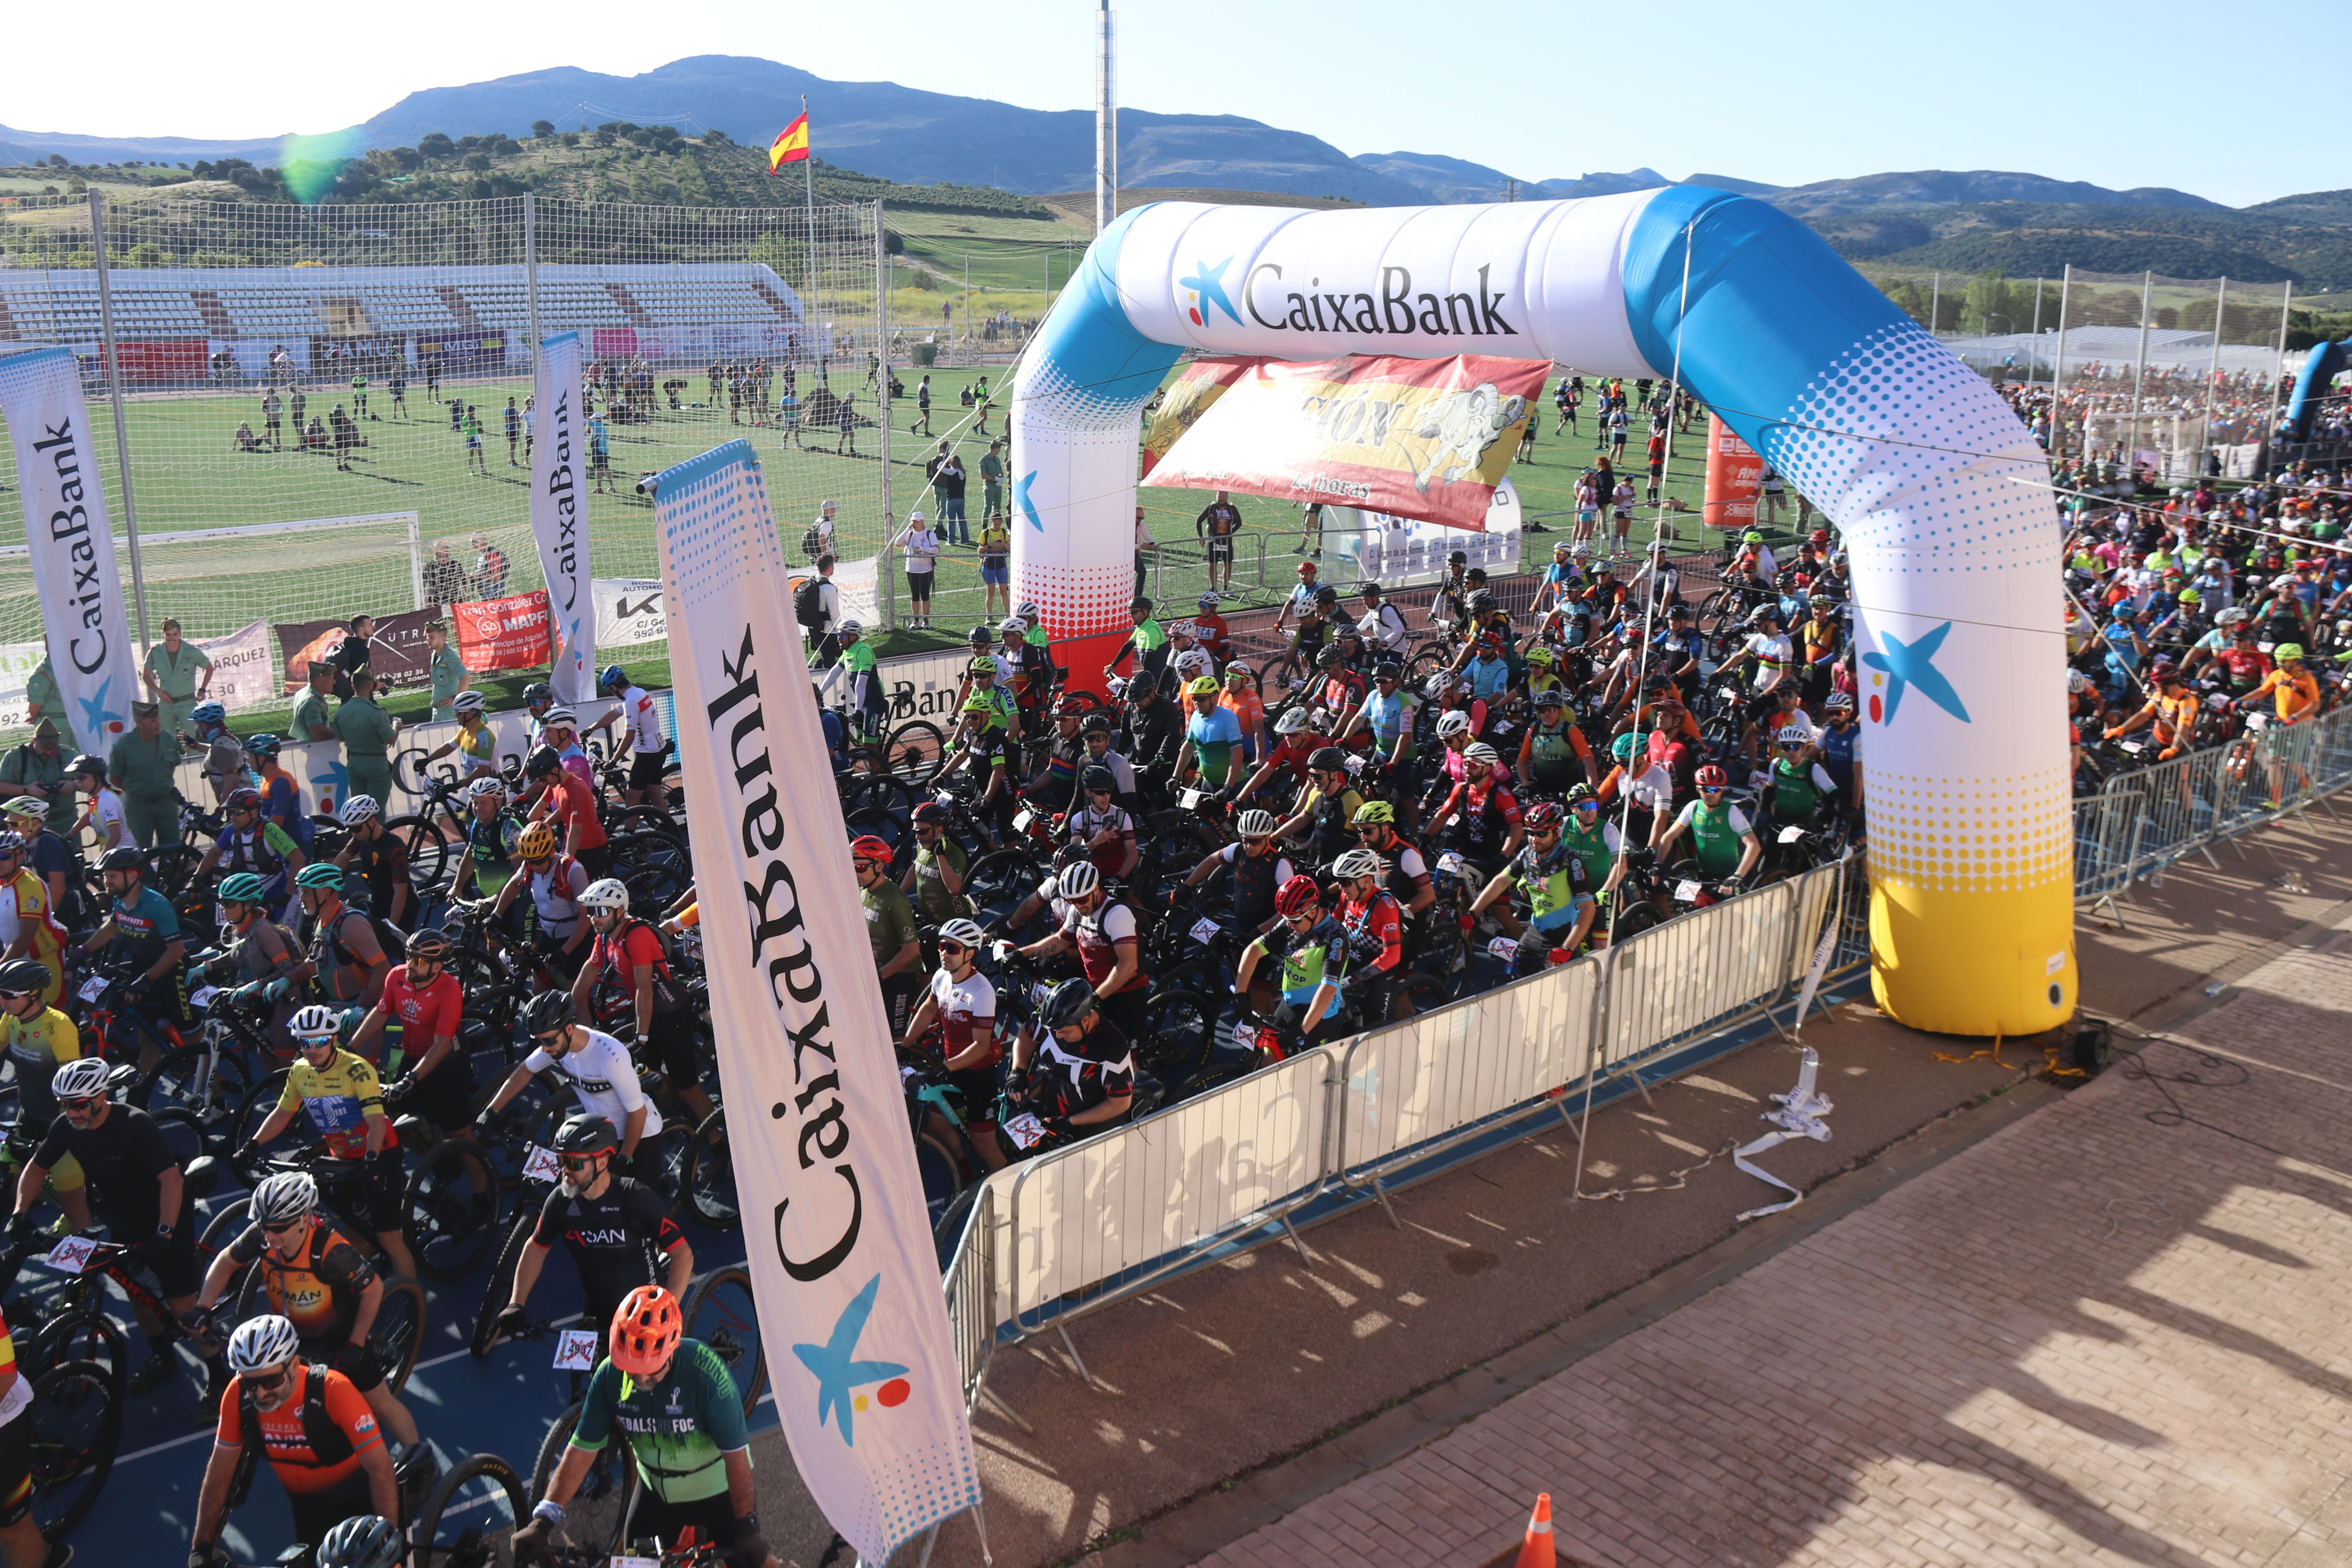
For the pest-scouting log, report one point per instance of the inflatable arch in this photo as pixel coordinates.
(2318, 378)
(1939, 491)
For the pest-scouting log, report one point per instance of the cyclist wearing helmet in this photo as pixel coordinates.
(1552, 877)
(1841, 744)
(1154, 730)
(103, 815)
(28, 923)
(281, 797)
(347, 956)
(559, 728)
(1300, 601)
(568, 806)
(1030, 666)
(263, 955)
(1240, 699)
(1211, 735)
(934, 879)
(316, 1279)
(378, 857)
(1094, 732)
(315, 1429)
(148, 927)
(1594, 839)
(1820, 640)
(987, 751)
(224, 754)
(675, 1402)
(1295, 742)
(47, 858)
(1074, 1073)
(990, 677)
(889, 928)
(340, 1092)
(1404, 869)
(1723, 841)
(961, 1009)
(1554, 754)
(1055, 783)
(1105, 829)
(599, 1070)
(1480, 816)
(135, 1186)
(1326, 814)
(1257, 867)
(1107, 938)
(475, 746)
(39, 1039)
(1211, 629)
(616, 1227)
(629, 959)
(491, 833)
(1385, 717)
(640, 718)
(1314, 957)
(1374, 923)
(250, 842)
(363, 1541)
(423, 1005)
(1148, 643)
(1449, 605)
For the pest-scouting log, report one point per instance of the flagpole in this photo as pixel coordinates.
(808, 192)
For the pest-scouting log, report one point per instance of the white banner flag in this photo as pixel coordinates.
(245, 670)
(867, 1382)
(72, 544)
(629, 611)
(559, 517)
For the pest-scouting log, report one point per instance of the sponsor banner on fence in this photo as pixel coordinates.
(162, 359)
(559, 519)
(1398, 552)
(1427, 439)
(244, 674)
(397, 651)
(628, 611)
(502, 633)
(866, 1382)
(17, 662)
(481, 349)
(70, 544)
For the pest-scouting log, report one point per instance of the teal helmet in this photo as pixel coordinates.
(320, 874)
(244, 888)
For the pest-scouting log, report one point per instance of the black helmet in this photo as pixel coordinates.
(124, 859)
(537, 692)
(1327, 594)
(1095, 723)
(1457, 558)
(543, 760)
(1067, 1005)
(1098, 778)
(584, 1134)
(549, 1011)
(86, 764)
(1329, 759)
(1482, 603)
(981, 636)
(25, 974)
(1329, 659)
(930, 811)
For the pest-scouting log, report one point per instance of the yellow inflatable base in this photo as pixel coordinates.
(1973, 963)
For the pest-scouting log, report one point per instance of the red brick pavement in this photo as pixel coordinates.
(2113, 1332)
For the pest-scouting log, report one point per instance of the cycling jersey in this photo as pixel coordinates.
(1798, 789)
(316, 1288)
(637, 945)
(1116, 858)
(121, 1157)
(1483, 818)
(338, 1102)
(1388, 715)
(618, 1240)
(1375, 930)
(1489, 678)
(1254, 879)
(679, 1429)
(424, 1014)
(2248, 668)
(490, 848)
(1554, 883)
(1597, 845)
(932, 895)
(2296, 692)
(382, 864)
(1773, 655)
(642, 714)
(261, 850)
(24, 912)
(1555, 754)
(145, 927)
(38, 1045)
(324, 1411)
(1330, 820)
(967, 1011)
(479, 747)
(1099, 936)
(555, 893)
(1311, 959)
(1716, 835)
(572, 800)
(1081, 1074)
(1213, 734)
(603, 1077)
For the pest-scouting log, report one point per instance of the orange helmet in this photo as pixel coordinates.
(646, 1331)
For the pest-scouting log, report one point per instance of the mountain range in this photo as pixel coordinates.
(2027, 224)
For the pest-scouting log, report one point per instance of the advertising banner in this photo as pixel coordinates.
(502, 633)
(559, 519)
(1427, 439)
(1180, 406)
(376, 356)
(628, 611)
(1399, 553)
(461, 350)
(70, 543)
(866, 1382)
(397, 651)
(244, 674)
(17, 662)
(1734, 474)
(162, 359)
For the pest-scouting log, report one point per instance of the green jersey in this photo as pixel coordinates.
(1035, 637)
(889, 919)
(858, 657)
(1598, 847)
(1716, 835)
(679, 1429)
(1797, 790)
(1149, 638)
(931, 894)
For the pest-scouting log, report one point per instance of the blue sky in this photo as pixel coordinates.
(2158, 92)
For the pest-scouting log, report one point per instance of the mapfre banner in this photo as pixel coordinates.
(70, 544)
(865, 1378)
(559, 517)
(502, 633)
(1426, 439)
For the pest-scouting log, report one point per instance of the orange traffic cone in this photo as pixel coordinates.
(1536, 1550)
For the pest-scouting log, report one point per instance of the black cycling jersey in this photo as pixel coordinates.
(122, 1157)
(382, 864)
(1076, 1077)
(618, 1240)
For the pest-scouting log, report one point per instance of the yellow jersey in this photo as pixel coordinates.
(339, 1101)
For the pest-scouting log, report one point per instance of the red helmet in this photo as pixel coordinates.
(1308, 569)
(1544, 816)
(1071, 705)
(869, 848)
(646, 1331)
(1820, 536)
(1296, 897)
(1712, 777)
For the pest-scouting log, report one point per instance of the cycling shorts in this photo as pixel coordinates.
(16, 1465)
(646, 768)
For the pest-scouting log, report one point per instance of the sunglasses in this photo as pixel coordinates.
(947, 948)
(289, 1228)
(575, 1161)
(83, 1106)
(1712, 789)
(268, 1382)
(17, 995)
(554, 1038)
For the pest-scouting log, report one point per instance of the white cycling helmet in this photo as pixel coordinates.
(963, 933)
(1292, 721)
(1838, 700)
(1580, 551)
(1080, 879)
(1028, 611)
(2232, 617)
(356, 809)
(262, 1344)
(604, 897)
(1437, 685)
(1479, 752)
(315, 1022)
(559, 718)
(1255, 825)
(287, 1197)
(1012, 626)
(1790, 735)
(1182, 629)
(1193, 658)
(851, 629)
(1357, 863)
(2077, 683)
(1455, 723)
(466, 702)
(84, 1078)
(488, 785)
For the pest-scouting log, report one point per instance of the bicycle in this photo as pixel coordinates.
(446, 1534)
(76, 1415)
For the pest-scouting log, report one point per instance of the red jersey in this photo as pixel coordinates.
(571, 800)
(424, 1014)
(637, 947)
(1211, 629)
(286, 1445)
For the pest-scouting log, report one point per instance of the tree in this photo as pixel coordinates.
(714, 137)
(436, 145)
(540, 129)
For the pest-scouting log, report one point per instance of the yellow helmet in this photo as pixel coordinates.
(1206, 686)
(536, 842)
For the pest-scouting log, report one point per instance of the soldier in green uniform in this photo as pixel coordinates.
(366, 731)
(38, 769)
(42, 697)
(179, 673)
(141, 768)
(450, 673)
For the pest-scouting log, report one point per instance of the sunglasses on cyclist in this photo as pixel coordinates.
(289, 1228)
(268, 1382)
(17, 995)
(83, 1106)
(1711, 789)
(557, 1037)
(576, 1162)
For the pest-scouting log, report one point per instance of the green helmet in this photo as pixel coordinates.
(320, 874)
(1375, 811)
(1753, 536)
(244, 888)
(2286, 651)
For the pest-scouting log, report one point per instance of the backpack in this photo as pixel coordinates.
(329, 1444)
(808, 605)
(669, 994)
(388, 936)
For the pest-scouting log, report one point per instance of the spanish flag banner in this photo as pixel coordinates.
(1423, 439)
(791, 145)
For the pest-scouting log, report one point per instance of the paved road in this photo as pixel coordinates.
(2112, 1332)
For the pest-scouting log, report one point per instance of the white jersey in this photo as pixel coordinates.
(643, 716)
(555, 893)
(106, 816)
(605, 1078)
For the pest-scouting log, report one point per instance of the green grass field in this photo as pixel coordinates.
(189, 477)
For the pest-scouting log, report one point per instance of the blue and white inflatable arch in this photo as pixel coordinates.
(1939, 491)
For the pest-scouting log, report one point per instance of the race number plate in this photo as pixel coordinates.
(1450, 863)
(1192, 799)
(1022, 818)
(575, 1350)
(1686, 891)
(636, 1562)
(202, 998)
(1038, 992)
(2133, 747)
(1204, 931)
(94, 987)
(1505, 948)
(1025, 1130)
(1792, 833)
(70, 1255)
(542, 1165)
(1759, 779)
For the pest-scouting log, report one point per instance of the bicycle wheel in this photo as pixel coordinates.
(89, 1337)
(1182, 1029)
(500, 1284)
(429, 845)
(398, 1331)
(450, 1215)
(1281, 679)
(914, 752)
(77, 1417)
(942, 1170)
(469, 1520)
(892, 830)
(227, 1223)
(209, 1086)
(184, 1133)
(592, 1518)
(655, 865)
(708, 1178)
(251, 1112)
(997, 882)
(720, 1312)
(949, 1228)
(1416, 993)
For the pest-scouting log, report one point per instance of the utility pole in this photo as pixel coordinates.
(1106, 124)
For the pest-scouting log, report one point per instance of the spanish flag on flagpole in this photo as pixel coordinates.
(791, 145)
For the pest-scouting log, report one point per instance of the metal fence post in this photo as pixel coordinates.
(531, 273)
(888, 565)
(114, 393)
